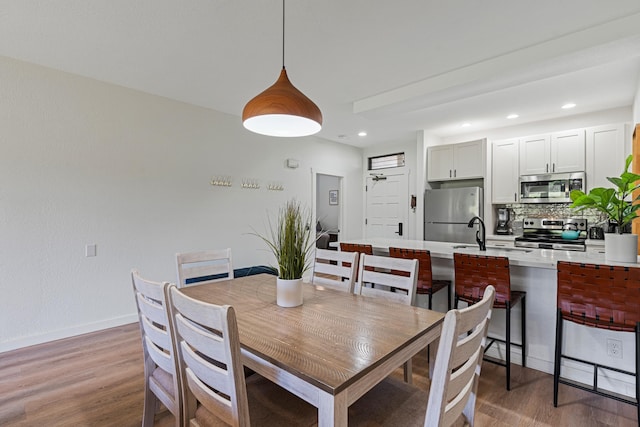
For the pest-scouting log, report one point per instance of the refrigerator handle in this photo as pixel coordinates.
(399, 232)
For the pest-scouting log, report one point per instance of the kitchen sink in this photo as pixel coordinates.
(494, 248)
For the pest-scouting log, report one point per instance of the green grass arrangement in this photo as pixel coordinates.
(290, 240)
(611, 201)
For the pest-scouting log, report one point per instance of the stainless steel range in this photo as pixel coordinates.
(546, 233)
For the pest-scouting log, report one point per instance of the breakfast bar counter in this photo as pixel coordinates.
(535, 272)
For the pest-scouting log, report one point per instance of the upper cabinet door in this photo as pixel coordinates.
(535, 155)
(606, 154)
(469, 160)
(504, 167)
(440, 163)
(568, 151)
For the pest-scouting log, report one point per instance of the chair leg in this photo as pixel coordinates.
(508, 342)
(558, 352)
(523, 324)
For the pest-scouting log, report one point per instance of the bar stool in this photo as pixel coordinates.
(426, 284)
(473, 273)
(598, 296)
(361, 249)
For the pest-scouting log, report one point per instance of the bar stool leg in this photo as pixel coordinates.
(449, 296)
(524, 330)
(558, 352)
(508, 342)
(430, 294)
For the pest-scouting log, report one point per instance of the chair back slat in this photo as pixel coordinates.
(204, 267)
(335, 269)
(598, 295)
(457, 369)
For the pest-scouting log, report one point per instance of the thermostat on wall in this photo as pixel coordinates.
(292, 163)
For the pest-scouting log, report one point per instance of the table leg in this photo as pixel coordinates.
(333, 411)
(433, 350)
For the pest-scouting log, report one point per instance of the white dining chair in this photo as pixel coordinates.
(209, 361)
(393, 279)
(335, 269)
(197, 268)
(452, 395)
(160, 365)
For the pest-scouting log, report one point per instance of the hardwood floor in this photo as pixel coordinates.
(96, 380)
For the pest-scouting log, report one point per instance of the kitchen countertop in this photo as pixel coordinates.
(524, 257)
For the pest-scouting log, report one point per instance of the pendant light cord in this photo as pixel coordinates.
(283, 34)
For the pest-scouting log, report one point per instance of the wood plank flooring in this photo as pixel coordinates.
(97, 380)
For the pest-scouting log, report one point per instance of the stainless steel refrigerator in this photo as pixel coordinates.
(448, 211)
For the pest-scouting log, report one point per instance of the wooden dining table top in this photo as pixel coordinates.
(331, 341)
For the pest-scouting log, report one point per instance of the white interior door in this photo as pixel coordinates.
(387, 206)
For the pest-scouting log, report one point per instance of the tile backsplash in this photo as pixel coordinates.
(520, 211)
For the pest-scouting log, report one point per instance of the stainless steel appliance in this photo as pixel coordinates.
(550, 188)
(447, 213)
(502, 226)
(546, 233)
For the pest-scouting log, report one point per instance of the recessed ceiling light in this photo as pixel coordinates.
(568, 105)
(466, 125)
(362, 133)
(512, 116)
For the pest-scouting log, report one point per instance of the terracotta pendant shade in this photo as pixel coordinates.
(282, 110)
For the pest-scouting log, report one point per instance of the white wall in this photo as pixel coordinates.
(86, 162)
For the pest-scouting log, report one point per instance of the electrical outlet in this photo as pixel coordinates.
(614, 348)
(90, 250)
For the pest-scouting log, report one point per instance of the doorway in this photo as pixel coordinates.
(387, 206)
(328, 209)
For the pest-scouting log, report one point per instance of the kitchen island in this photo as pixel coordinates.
(534, 271)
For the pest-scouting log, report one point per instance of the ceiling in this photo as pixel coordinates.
(388, 68)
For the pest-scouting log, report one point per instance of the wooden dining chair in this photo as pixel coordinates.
(391, 278)
(161, 379)
(209, 362)
(198, 268)
(451, 398)
(335, 269)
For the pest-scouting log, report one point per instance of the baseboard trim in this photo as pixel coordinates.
(66, 333)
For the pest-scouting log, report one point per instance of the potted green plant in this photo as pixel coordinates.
(612, 202)
(289, 239)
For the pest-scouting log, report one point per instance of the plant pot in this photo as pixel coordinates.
(621, 247)
(289, 292)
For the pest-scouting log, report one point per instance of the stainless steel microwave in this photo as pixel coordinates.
(551, 188)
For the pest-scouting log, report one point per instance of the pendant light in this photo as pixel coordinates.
(282, 110)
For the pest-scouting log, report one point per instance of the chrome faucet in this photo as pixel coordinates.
(480, 238)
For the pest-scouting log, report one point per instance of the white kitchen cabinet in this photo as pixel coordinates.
(605, 155)
(456, 161)
(558, 152)
(504, 171)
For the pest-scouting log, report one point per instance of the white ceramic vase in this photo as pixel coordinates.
(621, 247)
(289, 292)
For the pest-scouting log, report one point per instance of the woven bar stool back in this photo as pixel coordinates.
(355, 247)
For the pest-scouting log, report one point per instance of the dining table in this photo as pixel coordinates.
(330, 350)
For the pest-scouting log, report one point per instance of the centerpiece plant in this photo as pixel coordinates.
(289, 239)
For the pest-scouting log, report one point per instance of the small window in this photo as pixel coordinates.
(388, 161)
